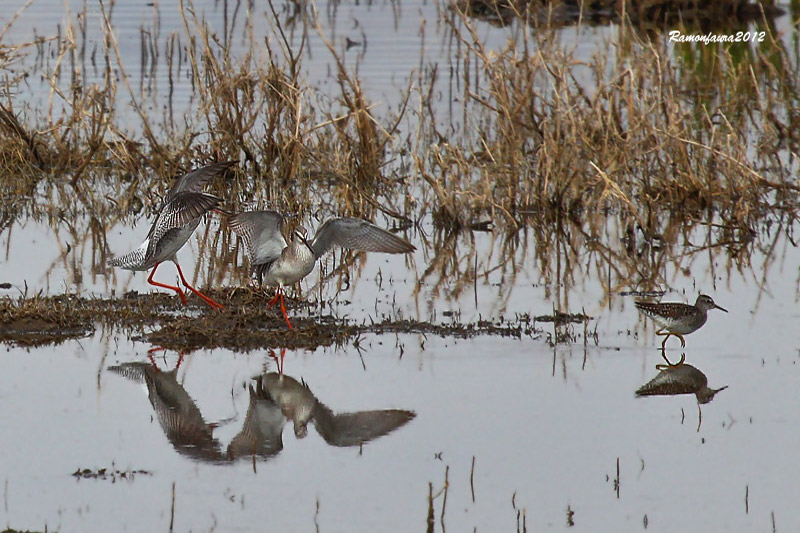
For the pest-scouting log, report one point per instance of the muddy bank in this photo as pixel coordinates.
(246, 323)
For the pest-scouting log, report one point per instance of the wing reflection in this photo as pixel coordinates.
(299, 405)
(354, 429)
(679, 379)
(275, 399)
(177, 413)
(262, 431)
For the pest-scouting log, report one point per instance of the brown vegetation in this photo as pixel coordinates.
(550, 150)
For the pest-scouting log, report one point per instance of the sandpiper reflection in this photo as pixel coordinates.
(275, 399)
(677, 379)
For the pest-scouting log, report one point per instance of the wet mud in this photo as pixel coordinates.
(246, 323)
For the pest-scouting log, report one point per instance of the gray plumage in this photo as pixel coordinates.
(355, 429)
(299, 405)
(176, 411)
(261, 234)
(274, 262)
(179, 215)
(262, 430)
(357, 234)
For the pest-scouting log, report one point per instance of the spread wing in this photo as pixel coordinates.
(357, 234)
(195, 180)
(183, 209)
(261, 233)
(354, 429)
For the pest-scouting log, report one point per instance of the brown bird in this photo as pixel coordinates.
(678, 319)
(679, 379)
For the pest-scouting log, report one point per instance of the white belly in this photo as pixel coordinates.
(289, 268)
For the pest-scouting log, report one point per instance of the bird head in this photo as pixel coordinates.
(705, 303)
(300, 235)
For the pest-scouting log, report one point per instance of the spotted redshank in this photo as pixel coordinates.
(177, 219)
(678, 319)
(275, 263)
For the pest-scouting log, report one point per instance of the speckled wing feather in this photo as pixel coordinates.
(195, 180)
(185, 208)
(663, 312)
(682, 379)
(261, 233)
(133, 371)
(357, 234)
(132, 260)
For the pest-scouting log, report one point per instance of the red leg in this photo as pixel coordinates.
(279, 362)
(150, 354)
(275, 299)
(165, 286)
(209, 301)
(283, 310)
(157, 349)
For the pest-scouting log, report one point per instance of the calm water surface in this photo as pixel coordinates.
(556, 434)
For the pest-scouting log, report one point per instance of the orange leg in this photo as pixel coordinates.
(275, 299)
(279, 362)
(279, 297)
(165, 286)
(208, 300)
(157, 349)
(283, 310)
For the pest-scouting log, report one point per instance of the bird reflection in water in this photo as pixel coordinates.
(299, 405)
(178, 415)
(677, 379)
(275, 399)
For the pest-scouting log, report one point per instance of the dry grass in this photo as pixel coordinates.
(637, 130)
(655, 14)
(553, 148)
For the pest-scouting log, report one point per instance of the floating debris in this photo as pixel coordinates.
(112, 474)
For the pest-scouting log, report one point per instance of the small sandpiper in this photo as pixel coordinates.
(276, 263)
(677, 318)
(179, 216)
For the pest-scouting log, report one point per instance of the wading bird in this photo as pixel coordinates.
(179, 216)
(277, 263)
(678, 319)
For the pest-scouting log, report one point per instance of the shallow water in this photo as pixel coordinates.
(556, 433)
(545, 426)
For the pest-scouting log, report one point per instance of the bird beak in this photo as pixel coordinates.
(302, 239)
(720, 308)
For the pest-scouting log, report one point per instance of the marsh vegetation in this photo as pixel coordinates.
(548, 172)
